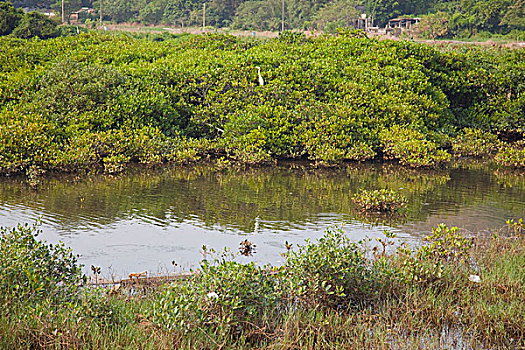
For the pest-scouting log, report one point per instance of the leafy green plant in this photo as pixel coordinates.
(382, 200)
(446, 244)
(512, 156)
(70, 88)
(115, 164)
(35, 24)
(225, 295)
(332, 272)
(475, 142)
(446, 248)
(9, 17)
(32, 270)
(411, 148)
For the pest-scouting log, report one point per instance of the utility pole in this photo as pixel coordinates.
(282, 16)
(373, 14)
(204, 17)
(101, 13)
(63, 13)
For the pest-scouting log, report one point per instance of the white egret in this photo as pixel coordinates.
(256, 228)
(261, 80)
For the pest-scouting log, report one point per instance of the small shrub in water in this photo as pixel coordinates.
(382, 200)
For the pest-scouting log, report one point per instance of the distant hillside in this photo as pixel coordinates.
(440, 17)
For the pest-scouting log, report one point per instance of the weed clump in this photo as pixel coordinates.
(382, 200)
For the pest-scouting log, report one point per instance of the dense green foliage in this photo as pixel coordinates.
(71, 103)
(476, 143)
(329, 293)
(35, 24)
(9, 18)
(512, 156)
(25, 25)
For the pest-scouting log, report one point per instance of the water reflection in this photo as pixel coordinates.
(147, 218)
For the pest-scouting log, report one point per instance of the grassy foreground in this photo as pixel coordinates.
(451, 292)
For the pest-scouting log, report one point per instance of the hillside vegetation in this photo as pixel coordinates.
(445, 18)
(71, 103)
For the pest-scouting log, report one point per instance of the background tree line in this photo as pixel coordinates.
(440, 17)
(19, 24)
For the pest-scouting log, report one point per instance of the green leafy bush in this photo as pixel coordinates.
(333, 272)
(411, 148)
(35, 24)
(71, 88)
(9, 17)
(426, 264)
(32, 271)
(225, 295)
(382, 200)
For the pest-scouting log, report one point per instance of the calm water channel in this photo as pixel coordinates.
(145, 219)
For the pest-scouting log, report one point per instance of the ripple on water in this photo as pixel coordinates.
(137, 222)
